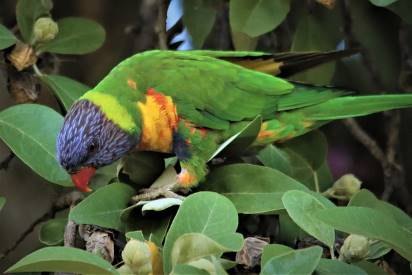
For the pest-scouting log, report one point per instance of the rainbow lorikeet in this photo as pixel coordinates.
(187, 103)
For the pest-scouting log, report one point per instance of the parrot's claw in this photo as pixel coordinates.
(166, 191)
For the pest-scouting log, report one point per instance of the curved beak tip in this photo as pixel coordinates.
(82, 177)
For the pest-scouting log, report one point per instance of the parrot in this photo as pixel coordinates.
(187, 103)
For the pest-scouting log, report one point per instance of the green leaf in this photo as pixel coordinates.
(103, 207)
(370, 268)
(317, 30)
(275, 158)
(63, 259)
(256, 17)
(273, 250)
(141, 168)
(383, 57)
(296, 166)
(208, 213)
(30, 130)
(153, 225)
(402, 8)
(243, 42)
(240, 141)
(193, 246)
(302, 261)
(52, 231)
(377, 249)
(312, 146)
(382, 3)
(251, 188)
(66, 89)
(289, 231)
(367, 199)
(302, 207)
(184, 269)
(2, 202)
(27, 12)
(137, 235)
(7, 38)
(76, 36)
(199, 17)
(160, 204)
(332, 267)
(371, 224)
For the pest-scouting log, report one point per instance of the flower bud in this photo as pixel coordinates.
(344, 188)
(136, 255)
(44, 29)
(355, 248)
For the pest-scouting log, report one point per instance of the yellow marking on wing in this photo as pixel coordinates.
(132, 84)
(113, 110)
(159, 121)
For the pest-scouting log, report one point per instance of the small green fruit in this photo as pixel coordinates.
(355, 248)
(44, 29)
(136, 255)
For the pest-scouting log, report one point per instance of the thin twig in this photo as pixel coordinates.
(49, 214)
(366, 140)
(161, 24)
(61, 203)
(4, 164)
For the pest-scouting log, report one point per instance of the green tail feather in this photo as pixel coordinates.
(297, 122)
(353, 106)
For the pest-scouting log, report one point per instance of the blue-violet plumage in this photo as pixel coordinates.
(89, 139)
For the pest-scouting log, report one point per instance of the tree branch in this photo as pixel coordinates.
(161, 24)
(4, 164)
(61, 203)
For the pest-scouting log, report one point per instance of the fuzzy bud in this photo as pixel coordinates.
(355, 248)
(44, 29)
(136, 255)
(344, 188)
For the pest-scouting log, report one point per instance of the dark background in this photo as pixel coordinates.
(130, 27)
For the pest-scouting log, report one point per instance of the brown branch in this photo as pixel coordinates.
(161, 24)
(60, 204)
(4, 164)
(367, 141)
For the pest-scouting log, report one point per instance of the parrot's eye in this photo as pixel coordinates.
(92, 148)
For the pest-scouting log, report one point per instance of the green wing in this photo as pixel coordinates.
(208, 91)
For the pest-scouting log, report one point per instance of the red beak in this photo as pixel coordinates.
(82, 177)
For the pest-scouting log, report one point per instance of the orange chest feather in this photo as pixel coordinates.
(159, 121)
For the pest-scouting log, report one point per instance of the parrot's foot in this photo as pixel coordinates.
(166, 191)
(184, 180)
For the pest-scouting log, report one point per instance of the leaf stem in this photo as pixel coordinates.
(316, 180)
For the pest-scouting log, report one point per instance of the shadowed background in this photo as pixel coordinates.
(131, 27)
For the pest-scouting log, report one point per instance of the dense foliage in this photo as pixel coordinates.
(316, 224)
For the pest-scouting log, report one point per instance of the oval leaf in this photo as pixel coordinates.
(256, 17)
(332, 267)
(208, 213)
(52, 231)
(193, 246)
(273, 250)
(199, 17)
(369, 223)
(7, 38)
(30, 131)
(104, 206)
(251, 188)
(63, 259)
(382, 3)
(76, 36)
(27, 11)
(160, 204)
(66, 89)
(302, 207)
(302, 261)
